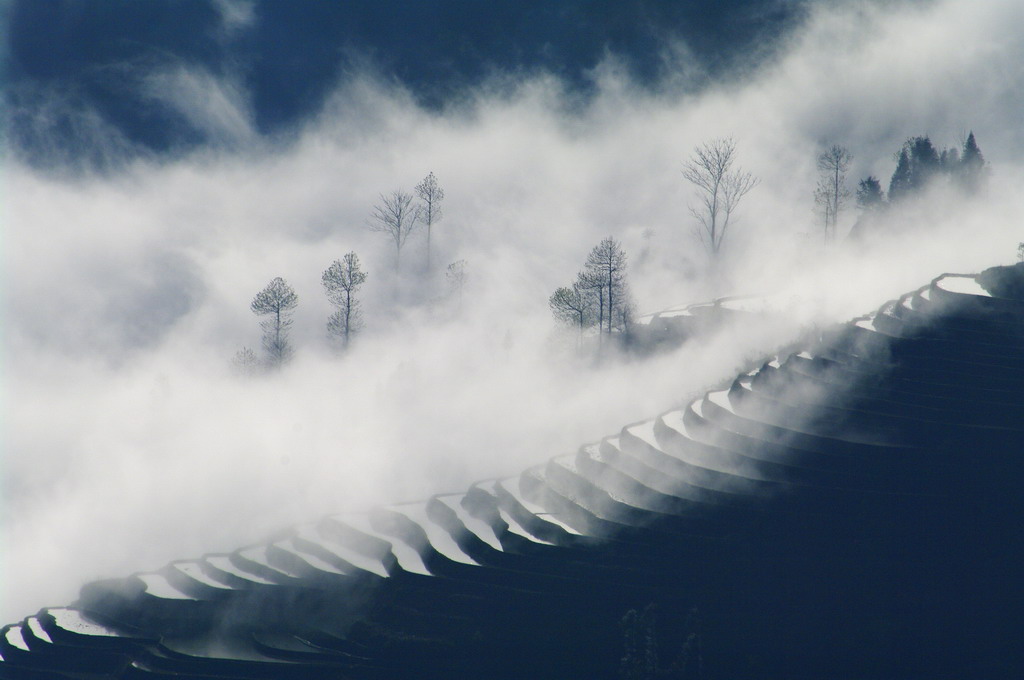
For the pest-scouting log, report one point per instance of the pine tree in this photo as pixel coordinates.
(949, 161)
(899, 185)
(869, 194)
(924, 162)
(972, 165)
(917, 165)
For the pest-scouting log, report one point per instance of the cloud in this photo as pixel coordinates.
(236, 15)
(214, 106)
(128, 439)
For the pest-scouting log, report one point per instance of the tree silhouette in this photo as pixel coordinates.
(600, 294)
(831, 193)
(605, 273)
(869, 194)
(924, 162)
(431, 194)
(972, 165)
(900, 184)
(719, 189)
(917, 164)
(396, 217)
(574, 306)
(341, 280)
(277, 302)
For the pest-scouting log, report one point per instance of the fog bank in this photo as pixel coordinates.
(129, 440)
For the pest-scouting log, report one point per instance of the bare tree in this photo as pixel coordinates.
(574, 306)
(456, 277)
(341, 281)
(605, 272)
(831, 193)
(597, 292)
(431, 194)
(277, 302)
(396, 216)
(719, 189)
(600, 296)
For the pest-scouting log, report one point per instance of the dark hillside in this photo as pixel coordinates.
(848, 510)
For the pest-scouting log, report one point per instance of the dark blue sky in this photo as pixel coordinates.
(85, 54)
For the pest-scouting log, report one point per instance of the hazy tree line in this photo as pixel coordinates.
(599, 299)
(919, 165)
(719, 185)
(396, 215)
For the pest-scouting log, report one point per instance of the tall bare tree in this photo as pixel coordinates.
(431, 194)
(277, 302)
(831, 194)
(720, 189)
(395, 216)
(341, 281)
(605, 268)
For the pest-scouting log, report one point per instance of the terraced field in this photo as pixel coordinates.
(850, 508)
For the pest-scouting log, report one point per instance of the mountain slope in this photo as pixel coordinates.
(847, 509)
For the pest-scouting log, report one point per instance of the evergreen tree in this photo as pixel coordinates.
(277, 302)
(949, 161)
(869, 194)
(972, 165)
(924, 162)
(899, 185)
(917, 165)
